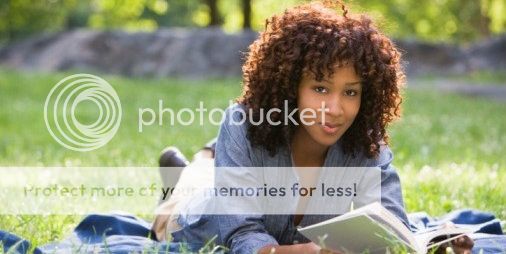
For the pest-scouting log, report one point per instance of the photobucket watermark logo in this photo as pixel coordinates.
(60, 112)
(216, 116)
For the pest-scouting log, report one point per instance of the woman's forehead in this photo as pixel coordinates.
(308, 72)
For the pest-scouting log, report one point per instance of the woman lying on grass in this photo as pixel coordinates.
(310, 55)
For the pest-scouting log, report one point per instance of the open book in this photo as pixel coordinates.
(373, 229)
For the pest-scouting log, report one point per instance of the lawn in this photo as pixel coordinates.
(449, 150)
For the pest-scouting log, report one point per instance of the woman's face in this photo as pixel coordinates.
(335, 102)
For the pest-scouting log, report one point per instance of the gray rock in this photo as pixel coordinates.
(439, 59)
(422, 58)
(210, 52)
(490, 55)
(176, 52)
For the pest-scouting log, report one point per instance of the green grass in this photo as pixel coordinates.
(449, 150)
(26, 141)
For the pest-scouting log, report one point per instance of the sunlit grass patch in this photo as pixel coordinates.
(448, 150)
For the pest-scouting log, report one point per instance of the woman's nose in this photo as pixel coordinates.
(334, 107)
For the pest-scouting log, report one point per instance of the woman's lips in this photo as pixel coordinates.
(330, 128)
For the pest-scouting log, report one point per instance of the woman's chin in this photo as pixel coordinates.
(327, 141)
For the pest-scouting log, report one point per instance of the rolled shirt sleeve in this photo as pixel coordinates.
(244, 233)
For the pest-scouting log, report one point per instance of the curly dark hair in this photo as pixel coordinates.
(313, 38)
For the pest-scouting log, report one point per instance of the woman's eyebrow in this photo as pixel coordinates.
(353, 83)
(327, 81)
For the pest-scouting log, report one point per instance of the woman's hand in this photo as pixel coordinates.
(302, 248)
(461, 245)
(313, 248)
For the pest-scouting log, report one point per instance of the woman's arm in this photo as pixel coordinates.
(241, 233)
(309, 248)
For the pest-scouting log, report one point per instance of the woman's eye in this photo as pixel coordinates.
(320, 89)
(351, 92)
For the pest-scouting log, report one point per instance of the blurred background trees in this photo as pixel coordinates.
(458, 21)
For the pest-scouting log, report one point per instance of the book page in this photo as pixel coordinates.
(357, 234)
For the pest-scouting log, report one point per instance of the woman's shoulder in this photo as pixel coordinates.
(233, 136)
(235, 122)
(359, 158)
(236, 112)
(384, 158)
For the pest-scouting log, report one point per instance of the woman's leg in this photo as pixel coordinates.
(207, 151)
(175, 169)
(172, 162)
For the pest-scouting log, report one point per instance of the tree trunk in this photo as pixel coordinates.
(246, 11)
(214, 13)
(484, 24)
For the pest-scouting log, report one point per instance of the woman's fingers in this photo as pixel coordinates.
(462, 245)
(327, 251)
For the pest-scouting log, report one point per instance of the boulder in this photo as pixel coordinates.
(210, 53)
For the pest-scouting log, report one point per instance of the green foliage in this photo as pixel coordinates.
(179, 14)
(120, 13)
(19, 18)
(435, 20)
(439, 20)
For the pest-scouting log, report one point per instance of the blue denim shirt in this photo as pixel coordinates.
(249, 233)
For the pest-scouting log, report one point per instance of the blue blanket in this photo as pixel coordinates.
(119, 233)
